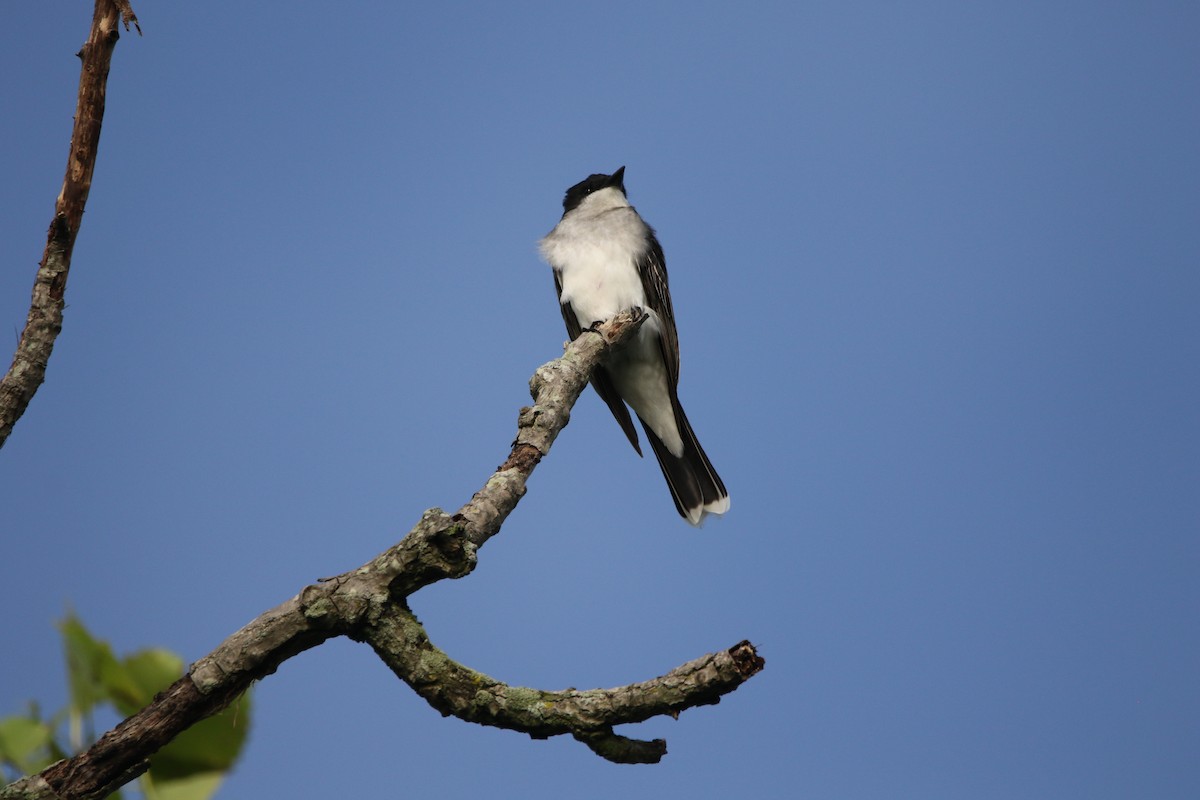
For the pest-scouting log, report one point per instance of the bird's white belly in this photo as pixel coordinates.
(596, 257)
(600, 287)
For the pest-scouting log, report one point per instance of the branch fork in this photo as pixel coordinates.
(368, 604)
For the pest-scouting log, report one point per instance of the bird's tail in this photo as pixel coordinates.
(695, 486)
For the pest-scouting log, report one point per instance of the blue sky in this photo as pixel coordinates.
(936, 271)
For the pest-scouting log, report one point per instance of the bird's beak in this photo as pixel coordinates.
(618, 179)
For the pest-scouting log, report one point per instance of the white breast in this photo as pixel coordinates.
(595, 249)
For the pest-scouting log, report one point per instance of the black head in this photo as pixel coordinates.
(591, 184)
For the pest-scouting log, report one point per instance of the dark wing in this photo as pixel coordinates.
(573, 329)
(653, 269)
(600, 380)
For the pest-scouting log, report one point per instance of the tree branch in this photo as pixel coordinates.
(368, 604)
(555, 387)
(44, 321)
(590, 715)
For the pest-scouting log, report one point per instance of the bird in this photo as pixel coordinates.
(606, 260)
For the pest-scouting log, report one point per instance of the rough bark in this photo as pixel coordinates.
(44, 321)
(369, 604)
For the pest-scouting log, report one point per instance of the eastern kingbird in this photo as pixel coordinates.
(606, 259)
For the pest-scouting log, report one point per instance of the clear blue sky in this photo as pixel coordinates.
(936, 270)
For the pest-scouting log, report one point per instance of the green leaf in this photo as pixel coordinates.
(24, 743)
(210, 745)
(200, 786)
(133, 682)
(190, 767)
(87, 659)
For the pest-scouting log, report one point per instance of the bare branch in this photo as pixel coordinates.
(555, 388)
(33, 787)
(589, 715)
(44, 321)
(127, 15)
(368, 604)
